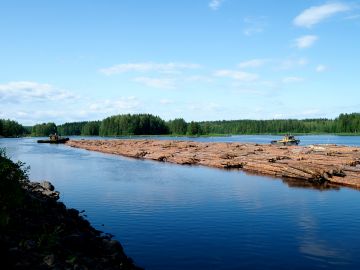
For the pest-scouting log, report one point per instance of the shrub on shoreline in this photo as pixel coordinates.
(38, 232)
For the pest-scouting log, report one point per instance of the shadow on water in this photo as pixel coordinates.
(296, 183)
(299, 183)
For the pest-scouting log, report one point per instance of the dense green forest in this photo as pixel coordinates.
(44, 129)
(268, 126)
(73, 128)
(91, 128)
(9, 128)
(177, 126)
(147, 124)
(136, 124)
(345, 123)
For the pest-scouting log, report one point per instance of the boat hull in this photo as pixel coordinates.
(62, 140)
(296, 142)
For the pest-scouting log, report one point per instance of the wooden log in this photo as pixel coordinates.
(336, 164)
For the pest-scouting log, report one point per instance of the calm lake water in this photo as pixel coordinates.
(181, 217)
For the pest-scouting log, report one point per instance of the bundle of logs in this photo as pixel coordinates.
(314, 163)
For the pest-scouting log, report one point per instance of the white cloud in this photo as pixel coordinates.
(119, 105)
(291, 63)
(40, 115)
(302, 61)
(305, 41)
(204, 107)
(236, 75)
(162, 83)
(316, 14)
(310, 112)
(292, 79)
(23, 91)
(95, 109)
(253, 63)
(320, 68)
(147, 67)
(248, 91)
(199, 78)
(287, 113)
(165, 101)
(254, 25)
(353, 17)
(215, 4)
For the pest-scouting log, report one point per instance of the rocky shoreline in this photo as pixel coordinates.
(339, 165)
(41, 233)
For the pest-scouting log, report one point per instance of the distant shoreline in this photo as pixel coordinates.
(199, 136)
(148, 124)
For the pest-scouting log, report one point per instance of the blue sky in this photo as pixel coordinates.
(197, 59)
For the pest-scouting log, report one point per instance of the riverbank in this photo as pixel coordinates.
(39, 232)
(335, 164)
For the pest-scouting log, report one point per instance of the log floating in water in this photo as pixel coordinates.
(314, 163)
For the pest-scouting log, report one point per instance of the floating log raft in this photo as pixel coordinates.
(314, 163)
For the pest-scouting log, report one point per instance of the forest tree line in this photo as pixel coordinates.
(85, 128)
(344, 123)
(10, 128)
(147, 124)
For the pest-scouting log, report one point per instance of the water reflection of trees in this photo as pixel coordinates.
(299, 183)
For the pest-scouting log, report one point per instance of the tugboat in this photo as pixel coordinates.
(287, 140)
(54, 138)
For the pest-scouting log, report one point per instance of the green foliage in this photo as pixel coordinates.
(177, 126)
(347, 123)
(9, 128)
(136, 124)
(74, 128)
(11, 194)
(268, 126)
(28, 129)
(49, 239)
(147, 124)
(44, 129)
(194, 129)
(91, 128)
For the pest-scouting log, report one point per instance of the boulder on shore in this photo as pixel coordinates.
(42, 233)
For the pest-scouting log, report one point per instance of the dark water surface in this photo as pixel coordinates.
(182, 217)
